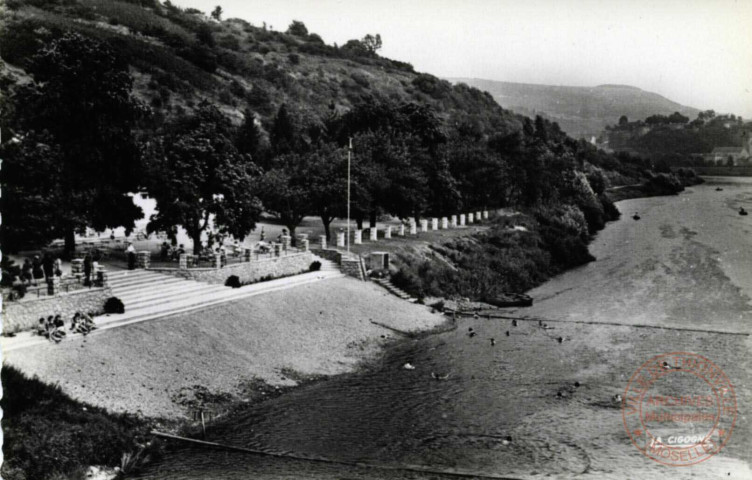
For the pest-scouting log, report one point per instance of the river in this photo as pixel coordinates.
(536, 402)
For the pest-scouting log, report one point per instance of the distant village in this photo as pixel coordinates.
(709, 140)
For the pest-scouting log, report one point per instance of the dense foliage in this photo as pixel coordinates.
(674, 140)
(74, 157)
(46, 433)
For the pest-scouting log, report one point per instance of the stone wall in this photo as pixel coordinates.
(24, 314)
(247, 272)
(328, 254)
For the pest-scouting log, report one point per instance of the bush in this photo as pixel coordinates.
(114, 305)
(233, 281)
(315, 266)
(47, 434)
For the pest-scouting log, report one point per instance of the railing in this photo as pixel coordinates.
(67, 284)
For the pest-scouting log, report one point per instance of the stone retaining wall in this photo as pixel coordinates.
(328, 254)
(247, 272)
(24, 314)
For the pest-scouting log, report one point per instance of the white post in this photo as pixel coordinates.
(413, 228)
(462, 219)
(322, 242)
(402, 230)
(444, 223)
(388, 232)
(374, 232)
(454, 221)
(358, 237)
(424, 225)
(434, 224)
(477, 216)
(485, 214)
(340, 239)
(469, 218)
(349, 151)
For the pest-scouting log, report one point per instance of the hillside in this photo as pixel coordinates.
(582, 112)
(180, 57)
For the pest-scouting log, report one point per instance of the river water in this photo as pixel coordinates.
(537, 402)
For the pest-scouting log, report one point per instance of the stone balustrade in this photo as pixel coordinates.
(358, 237)
(374, 233)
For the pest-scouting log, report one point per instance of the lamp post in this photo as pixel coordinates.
(349, 153)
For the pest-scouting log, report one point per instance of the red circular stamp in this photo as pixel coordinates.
(679, 409)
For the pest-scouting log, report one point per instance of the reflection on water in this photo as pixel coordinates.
(539, 402)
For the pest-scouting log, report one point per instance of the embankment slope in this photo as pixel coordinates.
(219, 354)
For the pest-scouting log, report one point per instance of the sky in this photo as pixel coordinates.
(695, 52)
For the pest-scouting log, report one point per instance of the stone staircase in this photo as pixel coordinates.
(389, 286)
(148, 295)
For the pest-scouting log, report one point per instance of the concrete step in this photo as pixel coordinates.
(151, 284)
(176, 306)
(120, 275)
(160, 293)
(175, 297)
(223, 294)
(141, 281)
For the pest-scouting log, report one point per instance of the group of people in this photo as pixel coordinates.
(53, 327)
(37, 269)
(168, 252)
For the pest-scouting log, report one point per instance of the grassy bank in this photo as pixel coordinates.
(48, 435)
(656, 185)
(515, 254)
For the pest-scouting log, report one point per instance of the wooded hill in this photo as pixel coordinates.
(180, 57)
(222, 119)
(582, 112)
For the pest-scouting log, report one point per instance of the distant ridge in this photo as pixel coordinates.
(580, 111)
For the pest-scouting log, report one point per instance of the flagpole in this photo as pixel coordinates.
(349, 152)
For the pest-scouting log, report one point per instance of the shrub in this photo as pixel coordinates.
(315, 266)
(47, 434)
(294, 58)
(233, 281)
(114, 305)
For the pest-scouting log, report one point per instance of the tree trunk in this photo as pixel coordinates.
(372, 219)
(196, 237)
(359, 222)
(291, 228)
(70, 242)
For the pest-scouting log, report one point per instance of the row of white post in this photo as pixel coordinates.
(443, 223)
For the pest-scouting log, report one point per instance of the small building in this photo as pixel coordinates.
(729, 155)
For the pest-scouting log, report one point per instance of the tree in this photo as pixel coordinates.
(356, 48)
(248, 139)
(297, 28)
(216, 14)
(200, 180)
(76, 123)
(205, 36)
(284, 133)
(623, 121)
(285, 190)
(372, 43)
(328, 184)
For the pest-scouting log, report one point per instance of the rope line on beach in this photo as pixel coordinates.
(584, 322)
(380, 466)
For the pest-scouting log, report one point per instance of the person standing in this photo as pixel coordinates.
(131, 252)
(36, 269)
(58, 267)
(87, 269)
(48, 266)
(26, 271)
